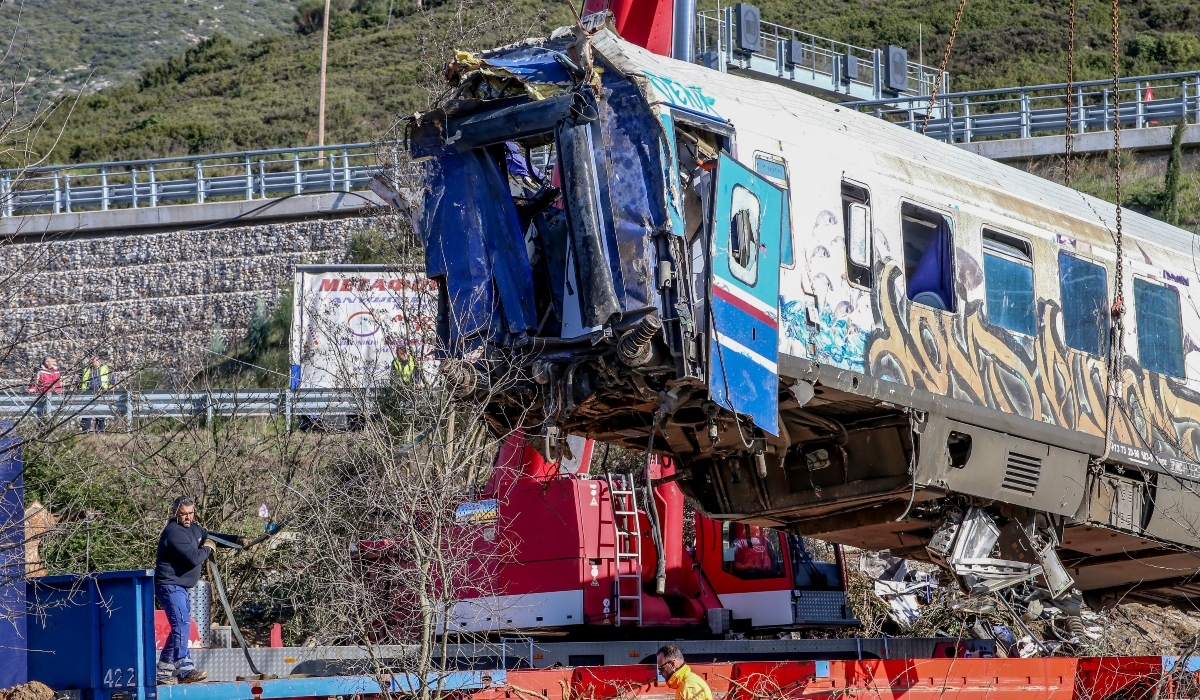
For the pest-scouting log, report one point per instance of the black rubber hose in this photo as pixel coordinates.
(237, 633)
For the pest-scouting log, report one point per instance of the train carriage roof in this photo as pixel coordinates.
(892, 139)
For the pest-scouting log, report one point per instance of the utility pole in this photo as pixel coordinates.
(324, 65)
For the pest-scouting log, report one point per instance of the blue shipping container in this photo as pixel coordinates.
(94, 633)
(13, 670)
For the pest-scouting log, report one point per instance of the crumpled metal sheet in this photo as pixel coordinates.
(473, 240)
(634, 191)
(540, 71)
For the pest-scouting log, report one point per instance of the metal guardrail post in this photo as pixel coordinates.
(1082, 125)
(8, 196)
(249, 179)
(296, 170)
(67, 190)
(199, 181)
(876, 70)
(1140, 115)
(332, 181)
(133, 186)
(153, 188)
(57, 194)
(949, 111)
(727, 40)
(966, 119)
(287, 410)
(129, 399)
(103, 188)
(1024, 115)
(345, 170)
(262, 179)
(1105, 113)
(1183, 101)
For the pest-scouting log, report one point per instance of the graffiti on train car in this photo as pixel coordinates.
(963, 356)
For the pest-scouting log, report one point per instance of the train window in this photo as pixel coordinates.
(1008, 282)
(751, 551)
(1084, 287)
(1159, 330)
(774, 169)
(856, 215)
(744, 222)
(928, 256)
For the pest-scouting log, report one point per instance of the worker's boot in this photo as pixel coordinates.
(187, 673)
(166, 673)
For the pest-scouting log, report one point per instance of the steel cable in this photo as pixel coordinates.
(937, 85)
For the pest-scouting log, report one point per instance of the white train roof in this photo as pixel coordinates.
(1001, 180)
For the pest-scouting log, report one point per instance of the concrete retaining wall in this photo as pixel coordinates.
(151, 300)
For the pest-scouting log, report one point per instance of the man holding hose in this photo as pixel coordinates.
(183, 547)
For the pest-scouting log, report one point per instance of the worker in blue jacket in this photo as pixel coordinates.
(183, 547)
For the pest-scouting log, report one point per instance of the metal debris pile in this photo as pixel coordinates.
(912, 598)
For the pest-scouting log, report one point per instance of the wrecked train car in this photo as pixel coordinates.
(838, 327)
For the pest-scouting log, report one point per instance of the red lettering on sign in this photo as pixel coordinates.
(329, 285)
(377, 285)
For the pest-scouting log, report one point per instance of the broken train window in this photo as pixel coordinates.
(774, 169)
(1159, 327)
(928, 256)
(745, 220)
(1085, 312)
(856, 215)
(1008, 282)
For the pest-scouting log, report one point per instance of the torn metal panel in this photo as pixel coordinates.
(474, 243)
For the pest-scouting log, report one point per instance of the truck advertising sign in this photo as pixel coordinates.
(354, 326)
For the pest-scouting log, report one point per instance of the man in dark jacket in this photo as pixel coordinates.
(183, 547)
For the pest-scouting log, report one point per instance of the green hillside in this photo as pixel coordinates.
(226, 94)
(229, 95)
(66, 44)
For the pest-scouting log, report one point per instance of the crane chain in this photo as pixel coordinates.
(1070, 87)
(1116, 352)
(937, 84)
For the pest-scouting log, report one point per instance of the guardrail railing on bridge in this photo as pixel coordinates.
(820, 63)
(1022, 112)
(232, 403)
(154, 182)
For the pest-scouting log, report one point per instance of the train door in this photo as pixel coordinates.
(744, 252)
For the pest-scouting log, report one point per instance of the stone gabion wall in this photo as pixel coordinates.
(151, 300)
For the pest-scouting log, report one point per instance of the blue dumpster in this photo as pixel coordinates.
(12, 560)
(94, 633)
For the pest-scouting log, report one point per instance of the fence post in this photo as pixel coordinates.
(1141, 107)
(332, 181)
(57, 194)
(1104, 115)
(249, 179)
(67, 189)
(153, 188)
(262, 179)
(1024, 115)
(345, 170)
(103, 188)
(296, 170)
(967, 119)
(200, 182)
(949, 121)
(133, 186)
(876, 66)
(1082, 126)
(8, 195)
(1183, 100)
(287, 410)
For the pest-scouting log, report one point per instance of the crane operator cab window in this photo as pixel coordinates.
(751, 551)
(928, 256)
